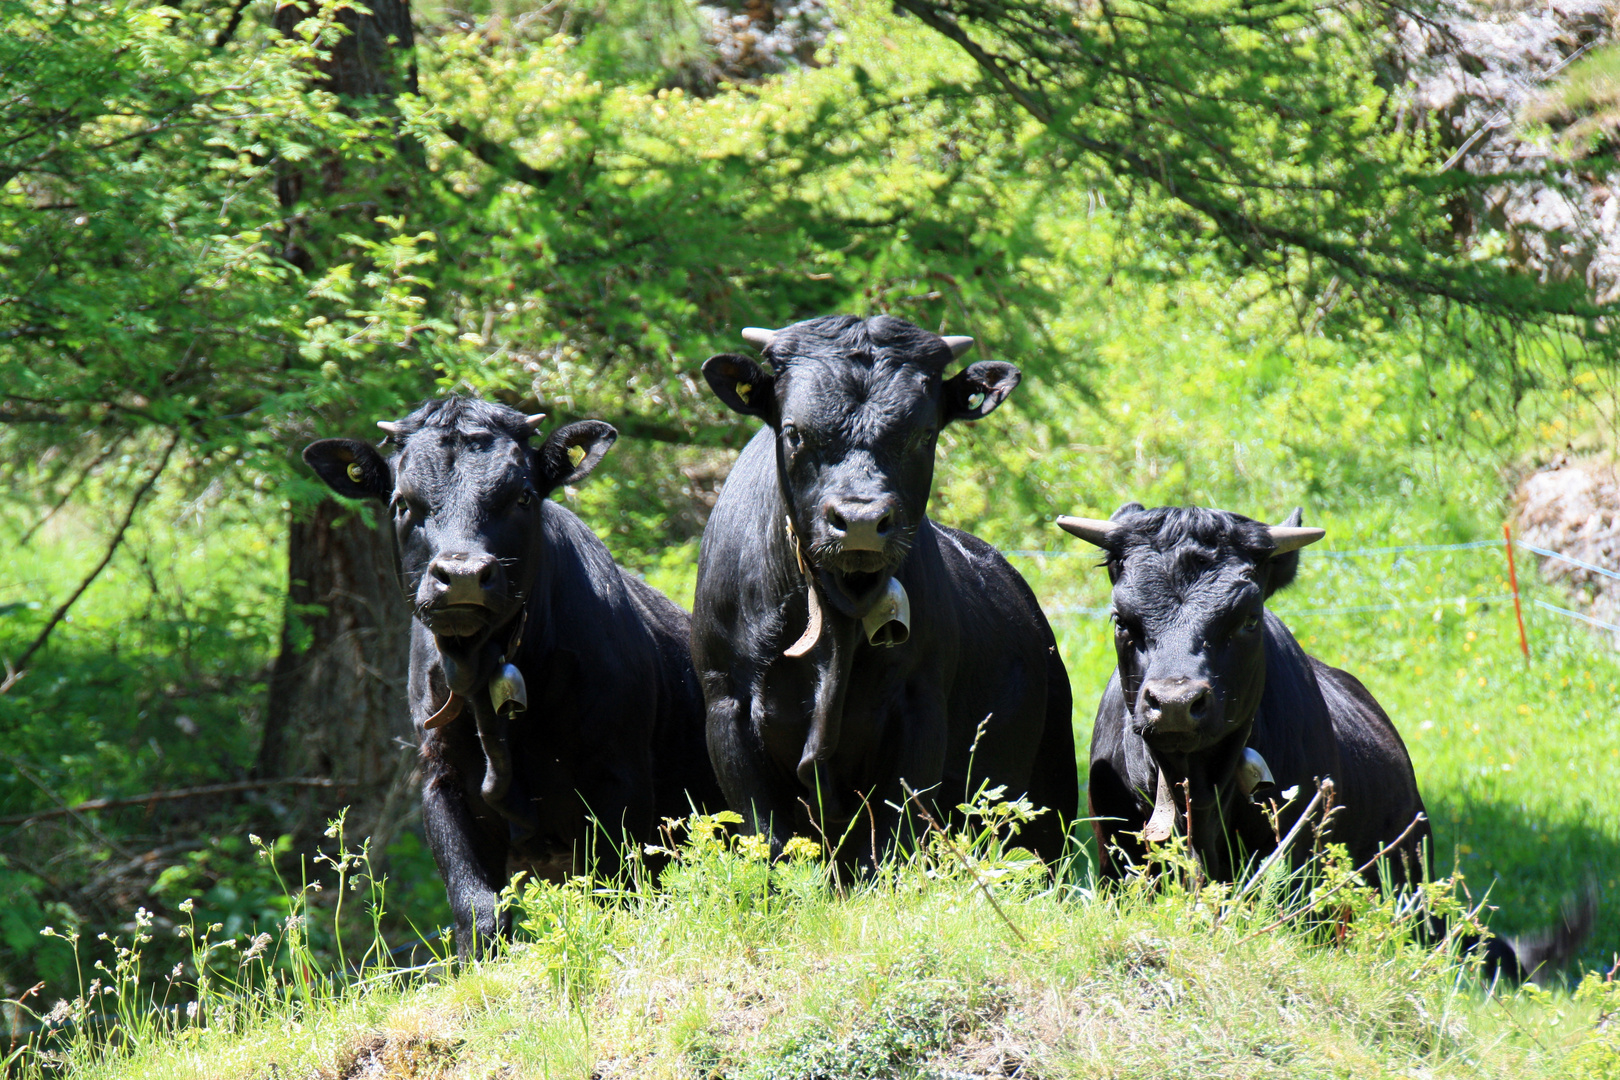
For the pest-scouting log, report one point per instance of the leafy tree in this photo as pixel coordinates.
(1285, 130)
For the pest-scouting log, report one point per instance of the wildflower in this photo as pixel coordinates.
(179, 969)
(754, 848)
(191, 1010)
(801, 847)
(260, 942)
(187, 904)
(49, 931)
(253, 838)
(59, 1013)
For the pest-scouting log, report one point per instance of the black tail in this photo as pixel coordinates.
(1537, 956)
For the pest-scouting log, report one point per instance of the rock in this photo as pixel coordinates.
(1573, 508)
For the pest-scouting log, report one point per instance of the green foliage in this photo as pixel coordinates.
(547, 222)
(893, 976)
(145, 280)
(1284, 128)
(1584, 104)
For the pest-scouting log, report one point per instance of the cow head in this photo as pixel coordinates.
(464, 489)
(857, 406)
(1190, 587)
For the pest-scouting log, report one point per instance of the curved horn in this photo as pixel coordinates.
(1292, 538)
(532, 421)
(1092, 530)
(390, 427)
(958, 345)
(757, 336)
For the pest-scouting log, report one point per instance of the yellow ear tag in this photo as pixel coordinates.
(743, 390)
(356, 473)
(576, 454)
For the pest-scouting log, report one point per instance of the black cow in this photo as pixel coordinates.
(845, 642)
(1212, 691)
(551, 686)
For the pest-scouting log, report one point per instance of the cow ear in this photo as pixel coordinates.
(1282, 569)
(351, 467)
(742, 384)
(571, 452)
(974, 392)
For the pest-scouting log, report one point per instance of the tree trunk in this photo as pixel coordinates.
(337, 703)
(337, 693)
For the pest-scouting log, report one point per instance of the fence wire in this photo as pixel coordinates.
(1345, 554)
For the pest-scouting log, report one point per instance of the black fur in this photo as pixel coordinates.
(853, 410)
(1189, 591)
(614, 724)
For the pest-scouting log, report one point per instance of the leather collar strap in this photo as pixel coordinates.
(1163, 821)
(812, 632)
(457, 703)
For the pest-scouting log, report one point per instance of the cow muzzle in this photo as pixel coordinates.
(861, 525)
(460, 593)
(1177, 709)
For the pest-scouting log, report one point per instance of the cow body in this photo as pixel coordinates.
(1205, 673)
(1206, 677)
(813, 728)
(610, 737)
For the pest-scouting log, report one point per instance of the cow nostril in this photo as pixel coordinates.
(837, 521)
(1152, 699)
(440, 572)
(485, 571)
(1199, 705)
(885, 523)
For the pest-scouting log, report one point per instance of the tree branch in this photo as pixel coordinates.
(177, 793)
(16, 671)
(503, 159)
(117, 441)
(229, 30)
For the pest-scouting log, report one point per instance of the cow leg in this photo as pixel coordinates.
(619, 799)
(746, 773)
(470, 851)
(890, 818)
(1114, 815)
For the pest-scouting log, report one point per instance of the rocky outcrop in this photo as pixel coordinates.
(1573, 508)
(1480, 67)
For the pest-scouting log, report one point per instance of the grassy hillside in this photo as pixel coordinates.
(740, 970)
(1152, 378)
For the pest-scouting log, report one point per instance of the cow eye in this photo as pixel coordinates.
(1251, 623)
(791, 436)
(525, 497)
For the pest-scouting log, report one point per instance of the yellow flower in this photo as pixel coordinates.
(801, 847)
(756, 848)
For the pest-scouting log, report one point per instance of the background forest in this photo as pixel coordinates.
(1249, 255)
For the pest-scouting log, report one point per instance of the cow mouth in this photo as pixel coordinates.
(464, 620)
(854, 592)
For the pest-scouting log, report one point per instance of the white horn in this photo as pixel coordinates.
(958, 345)
(390, 427)
(532, 421)
(1092, 530)
(757, 336)
(1292, 538)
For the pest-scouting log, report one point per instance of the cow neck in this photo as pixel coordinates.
(1208, 791)
(828, 643)
(464, 686)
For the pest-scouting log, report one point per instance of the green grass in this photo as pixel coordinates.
(1518, 763)
(741, 970)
